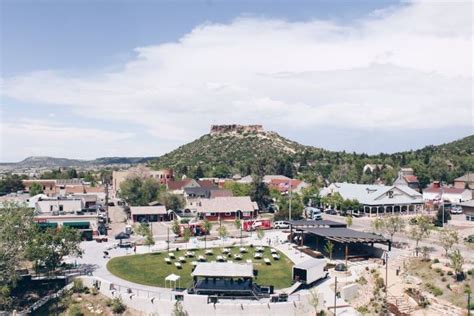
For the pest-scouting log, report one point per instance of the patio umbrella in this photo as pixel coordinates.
(122, 235)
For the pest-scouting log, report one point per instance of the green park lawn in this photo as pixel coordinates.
(151, 269)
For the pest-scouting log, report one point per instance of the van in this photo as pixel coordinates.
(280, 225)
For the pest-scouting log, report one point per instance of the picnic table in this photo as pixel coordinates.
(225, 250)
(257, 255)
(249, 261)
(168, 260)
(273, 250)
(194, 263)
(189, 254)
(259, 249)
(275, 256)
(208, 252)
(201, 258)
(238, 256)
(243, 249)
(178, 265)
(171, 255)
(182, 259)
(267, 261)
(220, 258)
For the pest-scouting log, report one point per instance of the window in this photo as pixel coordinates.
(50, 208)
(61, 208)
(470, 218)
(390, 194)
(228, 213)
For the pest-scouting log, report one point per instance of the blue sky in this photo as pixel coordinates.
(85, 79)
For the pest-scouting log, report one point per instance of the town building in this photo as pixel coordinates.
(285, 186)
(465, 182)
(147, 214)
(59, 204)
(163, 176)
(379, 199)
(373, 167)
(453, 195)
(227, 208)
(468, 210)
(407, 177)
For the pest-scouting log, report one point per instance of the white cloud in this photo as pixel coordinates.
(404, 67)
(48, 138)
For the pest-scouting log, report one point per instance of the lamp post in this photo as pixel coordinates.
(289, 212)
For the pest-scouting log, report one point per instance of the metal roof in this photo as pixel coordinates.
(346, 235)
(223, 269)
(308, 264)
(315, 223)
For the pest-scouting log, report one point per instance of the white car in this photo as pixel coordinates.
(456, 210)
(280, 225)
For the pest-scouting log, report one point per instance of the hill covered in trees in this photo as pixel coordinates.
(241, 151)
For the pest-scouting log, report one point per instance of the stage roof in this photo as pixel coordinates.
(223, 269)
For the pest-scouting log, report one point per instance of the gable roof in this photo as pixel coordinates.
(220, 193)
(208, 184)
(147, 210)
(178, 184)
(373, 194)
(227, 204)
(410, 178)
(445, 190)
(467, 177)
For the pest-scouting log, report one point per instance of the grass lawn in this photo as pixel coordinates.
(151, 269)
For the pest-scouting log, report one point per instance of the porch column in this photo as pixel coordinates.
(377, 214)
(347, 253)
(393, 209)
(384, 210)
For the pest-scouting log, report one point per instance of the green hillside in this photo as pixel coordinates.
(243, 152)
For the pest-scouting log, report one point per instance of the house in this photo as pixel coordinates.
(48, 186)
(147, 214)
(373, 167)
(268, 178)
(285, 186)
(245, 180)
(177, 187)
(378, 199)
(406, 177)
(162, 176)
(227, 208)
(468, 210)
(465, 181)
(453, 195)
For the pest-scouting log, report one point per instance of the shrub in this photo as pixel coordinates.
(470, 272)
(436, 260)
(450, 272)
(94, 291)
(78, 286)
(379, 283)
(364, 310)
(443, 279)
(118, 307)
(362, 281)
(75, 310)
(438, 270)
(436, 291)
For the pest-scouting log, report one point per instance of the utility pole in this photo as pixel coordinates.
(335, 295)
(442, 201)
(106, 180)
(289, 213)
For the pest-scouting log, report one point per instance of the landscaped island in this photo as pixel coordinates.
(152, 269)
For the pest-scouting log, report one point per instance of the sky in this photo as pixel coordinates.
(86, 79)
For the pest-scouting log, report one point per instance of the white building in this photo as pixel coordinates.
(453, 195)
(67, 205)
(378, 199)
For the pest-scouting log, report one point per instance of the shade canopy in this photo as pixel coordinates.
(122, 235)
(223, 270)
(172, 277)
(346, 235)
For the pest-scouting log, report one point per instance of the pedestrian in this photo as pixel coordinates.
(135, 249)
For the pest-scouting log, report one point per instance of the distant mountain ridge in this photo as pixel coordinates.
(53, 162)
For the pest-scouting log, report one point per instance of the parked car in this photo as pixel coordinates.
(280, 225)
(469, 239)
(330, 211)
(456, 210)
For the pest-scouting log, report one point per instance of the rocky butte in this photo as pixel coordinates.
(221, 129)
